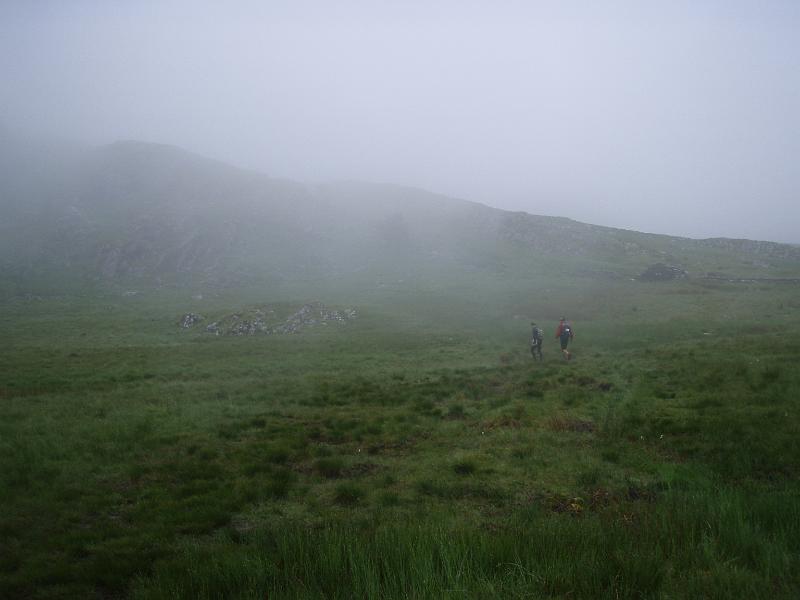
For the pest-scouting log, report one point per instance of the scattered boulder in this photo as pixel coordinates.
(190, 320)
(268, 321)
(310, 315)
(663, 272)
(250, 321)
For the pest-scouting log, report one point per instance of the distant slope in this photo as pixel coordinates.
(156, 213)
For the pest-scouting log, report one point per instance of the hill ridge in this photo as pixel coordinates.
(151, 210)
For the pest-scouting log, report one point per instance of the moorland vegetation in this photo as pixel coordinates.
(415, 451)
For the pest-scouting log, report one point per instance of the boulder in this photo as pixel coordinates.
(190, 320)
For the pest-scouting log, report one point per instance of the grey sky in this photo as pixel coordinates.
(671, 117)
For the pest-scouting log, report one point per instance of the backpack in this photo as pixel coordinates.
(537, 336)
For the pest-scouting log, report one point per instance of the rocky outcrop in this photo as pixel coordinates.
(267, 321)
(190, 320)
(310, 315)
(663, 272)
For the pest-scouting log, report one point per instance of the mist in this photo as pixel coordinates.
(677, 119)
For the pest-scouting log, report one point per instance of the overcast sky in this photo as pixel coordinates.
(671, 117)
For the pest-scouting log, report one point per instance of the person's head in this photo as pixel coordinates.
(533, 324)
(563, 318)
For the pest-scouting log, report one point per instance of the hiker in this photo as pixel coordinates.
(537, 337)
(564, 335)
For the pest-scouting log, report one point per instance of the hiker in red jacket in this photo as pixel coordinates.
(564, 335)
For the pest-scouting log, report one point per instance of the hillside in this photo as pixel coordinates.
(216, 384)
(156, 213)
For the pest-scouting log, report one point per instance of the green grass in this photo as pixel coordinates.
(415, 452)
(624, 548)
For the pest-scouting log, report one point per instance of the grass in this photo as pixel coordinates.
(417, 452)
(623, 549)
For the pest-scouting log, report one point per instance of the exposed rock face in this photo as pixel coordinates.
(663, 272)
(266, 321)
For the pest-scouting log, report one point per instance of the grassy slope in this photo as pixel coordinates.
(414, 452)
(156, 213)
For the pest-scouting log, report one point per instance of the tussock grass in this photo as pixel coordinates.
(702, 544)
(465, 467)
(330, 467)
(348, 494)
(401, 458)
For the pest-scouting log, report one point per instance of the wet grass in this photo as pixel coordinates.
(623, 550)
(403, 459)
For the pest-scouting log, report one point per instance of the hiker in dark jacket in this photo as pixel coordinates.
(564, 335)
(537, 337)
